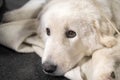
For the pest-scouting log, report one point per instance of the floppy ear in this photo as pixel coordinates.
(20, 35)
(105, 32)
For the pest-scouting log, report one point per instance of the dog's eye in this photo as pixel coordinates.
(70, 34)
(48, 31)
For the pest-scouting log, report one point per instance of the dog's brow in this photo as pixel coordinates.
(66, 28)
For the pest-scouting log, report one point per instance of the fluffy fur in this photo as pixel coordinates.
(95, 36)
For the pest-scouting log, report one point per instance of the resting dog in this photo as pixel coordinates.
(74, 31)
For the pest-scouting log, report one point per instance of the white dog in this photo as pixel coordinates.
(76, 33)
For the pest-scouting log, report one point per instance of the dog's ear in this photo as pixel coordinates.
(105, 33)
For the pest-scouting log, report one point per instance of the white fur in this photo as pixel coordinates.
(95, 36)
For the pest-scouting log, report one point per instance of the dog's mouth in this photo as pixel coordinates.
(59, 73)
(53, 74)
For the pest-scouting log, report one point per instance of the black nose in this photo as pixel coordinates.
(49, 68)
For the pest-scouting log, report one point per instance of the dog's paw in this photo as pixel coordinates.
(106, 76)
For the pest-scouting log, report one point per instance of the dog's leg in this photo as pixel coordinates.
(103, 65)
(29, 10)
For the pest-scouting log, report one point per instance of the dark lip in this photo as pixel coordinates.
(53, 74)
(49, 73)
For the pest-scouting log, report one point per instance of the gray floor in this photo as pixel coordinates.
(16, 66)
(13, 4)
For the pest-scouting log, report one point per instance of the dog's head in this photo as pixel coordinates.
(69, 35)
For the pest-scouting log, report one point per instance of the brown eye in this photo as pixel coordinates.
(48, 31)
(70, 34)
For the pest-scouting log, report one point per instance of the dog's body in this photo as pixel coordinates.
(74, 29)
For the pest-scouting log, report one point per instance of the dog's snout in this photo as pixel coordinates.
(49, 68)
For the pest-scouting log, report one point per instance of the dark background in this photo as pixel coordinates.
(19, 66)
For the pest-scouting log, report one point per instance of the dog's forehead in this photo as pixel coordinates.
(59, 12)
(55, 14)
(61, 20)
(63, 16)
